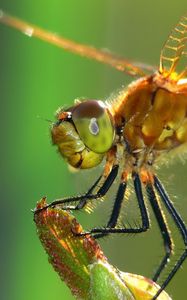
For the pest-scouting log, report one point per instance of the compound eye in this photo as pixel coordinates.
(94, 125)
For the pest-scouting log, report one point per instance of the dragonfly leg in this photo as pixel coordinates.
(116, 209)
(100, 193)
(87, 196)
(181, 227)
(162, 223)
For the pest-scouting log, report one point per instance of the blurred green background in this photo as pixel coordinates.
(35, 79)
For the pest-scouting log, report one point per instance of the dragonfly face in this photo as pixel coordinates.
(84, 133)
(147, 119)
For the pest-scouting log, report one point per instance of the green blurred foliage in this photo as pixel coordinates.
(35, 79)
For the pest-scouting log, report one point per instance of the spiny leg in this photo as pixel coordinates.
(83, 201)
(181, 227)
(162, 226)
(100, 193)
(87, 196)
(116, 209)
(143, 211)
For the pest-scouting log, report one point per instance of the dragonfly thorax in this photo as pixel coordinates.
(154, 116)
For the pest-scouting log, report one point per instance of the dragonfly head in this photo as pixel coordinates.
(84, 133)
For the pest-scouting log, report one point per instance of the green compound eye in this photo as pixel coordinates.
(94, 125)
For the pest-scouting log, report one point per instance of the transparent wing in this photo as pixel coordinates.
(173, 58)
(133, 69)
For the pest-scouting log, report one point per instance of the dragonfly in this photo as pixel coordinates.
(146, 122)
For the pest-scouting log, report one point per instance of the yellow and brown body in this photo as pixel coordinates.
(154, 113)
(151, 115)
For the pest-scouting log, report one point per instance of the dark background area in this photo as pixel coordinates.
(35, 79)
